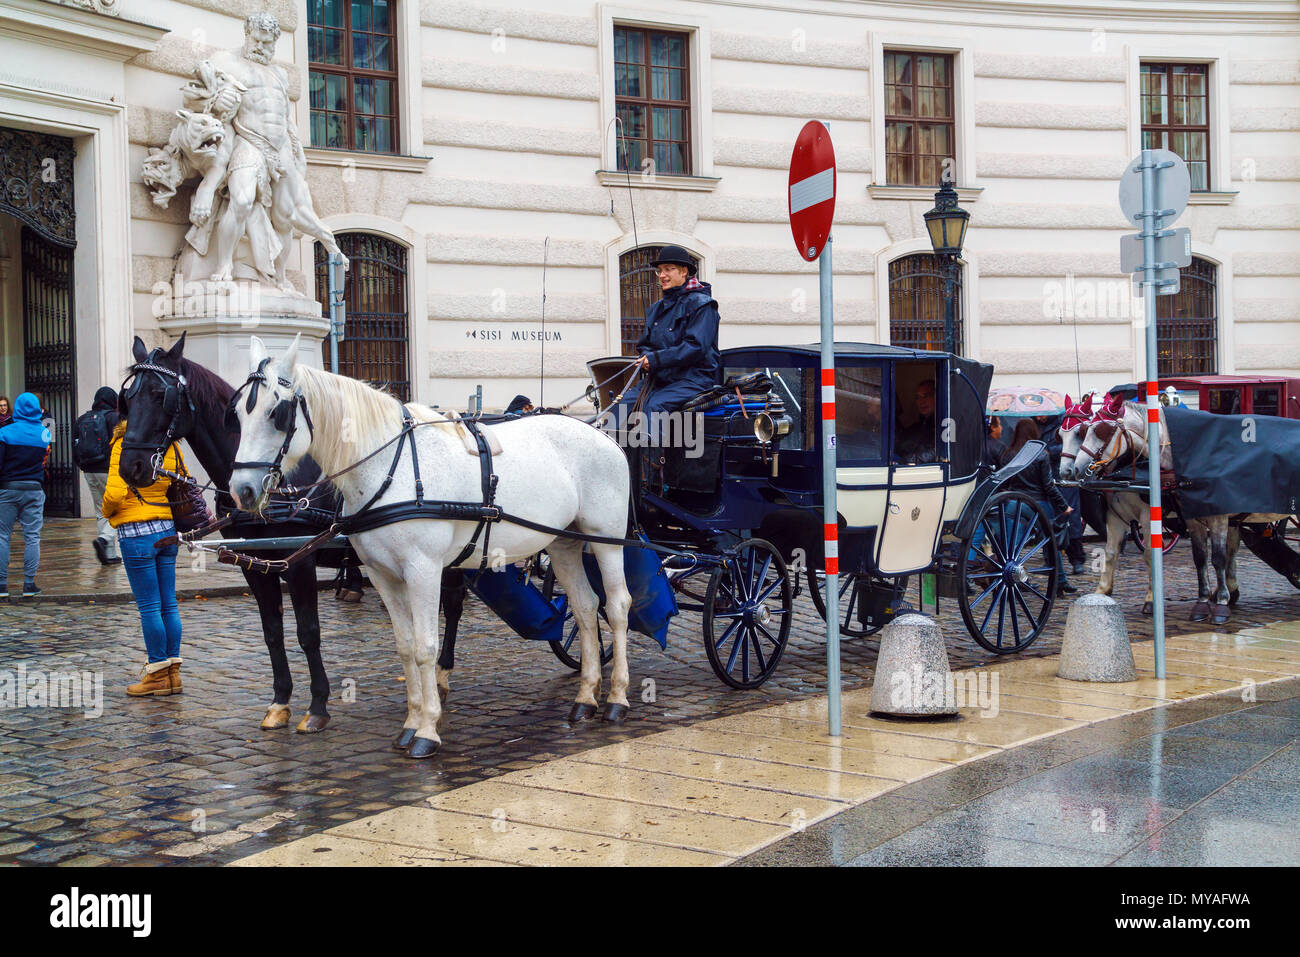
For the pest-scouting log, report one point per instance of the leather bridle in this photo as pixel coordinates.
(283, 416)
(176, 401)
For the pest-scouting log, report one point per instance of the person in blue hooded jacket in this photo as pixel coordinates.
(24, 446)
(678, 352)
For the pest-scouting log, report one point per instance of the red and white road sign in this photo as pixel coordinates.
(812, 189)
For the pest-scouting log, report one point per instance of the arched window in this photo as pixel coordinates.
(375, 332)
(916, 303)
(638, 291)
(1187, 323)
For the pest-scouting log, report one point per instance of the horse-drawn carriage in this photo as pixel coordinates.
(738, 511)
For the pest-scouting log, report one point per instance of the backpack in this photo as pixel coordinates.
(91, 438)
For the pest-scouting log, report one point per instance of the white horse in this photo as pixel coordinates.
(553, 470)
(1213, 536)
(1122, 508)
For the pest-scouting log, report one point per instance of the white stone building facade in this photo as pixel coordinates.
(505, 156)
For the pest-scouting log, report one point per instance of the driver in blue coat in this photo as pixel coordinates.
(678, 352)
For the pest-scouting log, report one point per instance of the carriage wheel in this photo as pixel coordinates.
(747, 611)
(1170, 539)
(1006, 596)
(852, 587)
(569, 648)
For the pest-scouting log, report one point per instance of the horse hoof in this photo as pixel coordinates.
(581, 712)
(403, 740)
(1233, 596)
(311, 723)
(1147, 609)
(422, 748)
(277, 716)
(615, 713)
(1221, 615)
(1200, 611)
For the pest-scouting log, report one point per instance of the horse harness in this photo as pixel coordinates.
(283, 415)
(176, 402)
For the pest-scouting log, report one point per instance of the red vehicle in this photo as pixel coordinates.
(1237, 394)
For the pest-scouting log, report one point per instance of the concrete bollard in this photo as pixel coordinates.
(912, 673)
(1096, 645)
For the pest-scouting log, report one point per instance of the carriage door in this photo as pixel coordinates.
(914, 506)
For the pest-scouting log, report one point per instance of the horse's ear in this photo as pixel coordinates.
(1086, 404)
(176, 351)
(138, 350)
(256, 353)
(291, 355)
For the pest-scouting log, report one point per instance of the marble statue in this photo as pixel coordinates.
(236, 132)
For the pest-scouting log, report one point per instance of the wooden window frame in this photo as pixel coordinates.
(1171, 128)
(914, 120)
(649, 102)
(351, 74)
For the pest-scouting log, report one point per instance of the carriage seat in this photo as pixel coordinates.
(741, 390)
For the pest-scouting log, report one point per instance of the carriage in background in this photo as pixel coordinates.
(741, 521)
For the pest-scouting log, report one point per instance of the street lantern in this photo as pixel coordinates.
(946, 224)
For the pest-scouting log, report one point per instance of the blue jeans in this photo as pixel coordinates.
(153, 582)
(29, 507)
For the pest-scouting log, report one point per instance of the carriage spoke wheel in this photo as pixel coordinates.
(853, 592)
(569, 648)
(1007, 589)
(747, 611)
(1168, 539)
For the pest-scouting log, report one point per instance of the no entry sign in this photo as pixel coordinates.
(812, 189)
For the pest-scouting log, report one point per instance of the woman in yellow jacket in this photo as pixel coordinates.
(143, 517)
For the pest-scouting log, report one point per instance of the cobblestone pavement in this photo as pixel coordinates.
(190, 778)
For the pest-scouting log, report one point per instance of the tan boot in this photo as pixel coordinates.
(174, 674)
(155, 680)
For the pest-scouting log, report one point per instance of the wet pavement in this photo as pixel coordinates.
(1209, 782)
(190, 778)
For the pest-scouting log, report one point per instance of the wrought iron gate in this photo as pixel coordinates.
(375, 334)
(49, 360)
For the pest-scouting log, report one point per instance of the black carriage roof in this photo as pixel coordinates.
(858, 349)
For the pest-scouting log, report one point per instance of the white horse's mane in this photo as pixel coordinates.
(375, 416)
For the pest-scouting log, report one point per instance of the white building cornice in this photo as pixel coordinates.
(79, 28)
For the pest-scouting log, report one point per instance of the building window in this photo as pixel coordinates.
(916, 303)
(1176, 114)
(652, 100)
(375, 331)
(1187, 324)
(920, 142)
(352, 56)
(638, 290)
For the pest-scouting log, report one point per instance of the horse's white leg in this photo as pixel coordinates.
(424, 584)
(1234, 544)
(1200, 534)
(1115, 531)
(566, 559)
(617, 603)
(393, 592)
(1219, 557)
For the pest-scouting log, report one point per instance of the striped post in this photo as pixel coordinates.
(830, 514)
(1151, 221)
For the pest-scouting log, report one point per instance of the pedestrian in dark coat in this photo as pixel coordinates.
(92, 448)
(1037, 479)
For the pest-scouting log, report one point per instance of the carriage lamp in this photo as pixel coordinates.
(946, 224)
(767, 427)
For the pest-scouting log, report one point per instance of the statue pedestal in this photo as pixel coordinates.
(219, 318)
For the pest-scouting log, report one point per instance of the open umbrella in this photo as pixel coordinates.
(1020, 402)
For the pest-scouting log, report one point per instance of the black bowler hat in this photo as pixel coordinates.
(677, 255)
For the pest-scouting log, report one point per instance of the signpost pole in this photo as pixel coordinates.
(335, 273)
(1151, 220)
(830, 515)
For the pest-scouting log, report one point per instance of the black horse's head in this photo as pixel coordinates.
(156, 402)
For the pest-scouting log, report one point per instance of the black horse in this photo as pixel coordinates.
(172, 398)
